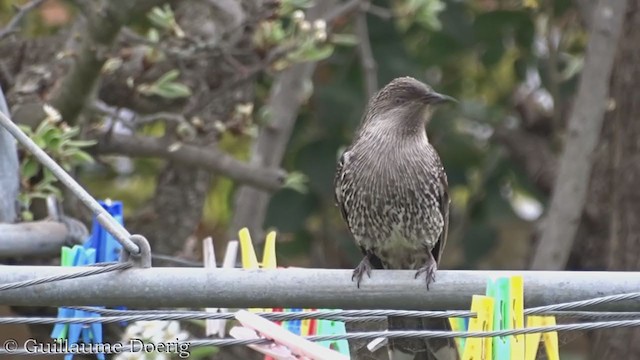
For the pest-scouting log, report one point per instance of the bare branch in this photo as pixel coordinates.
(21, 12)
(342, 10)
(585, 123)
(100, 32)
(209, 158)
(284, 103)
(586, 7)
(369, 67)
(379, 11)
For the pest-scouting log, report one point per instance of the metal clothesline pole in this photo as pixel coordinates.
(306, 288)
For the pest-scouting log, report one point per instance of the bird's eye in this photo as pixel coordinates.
(399, 100)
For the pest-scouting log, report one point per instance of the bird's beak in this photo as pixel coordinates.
(436, 98)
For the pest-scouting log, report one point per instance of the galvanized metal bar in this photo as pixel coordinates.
(9, 168)
(306, 288)
(35, 238)
(111, 225)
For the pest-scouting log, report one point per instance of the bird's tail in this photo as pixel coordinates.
(424, 349)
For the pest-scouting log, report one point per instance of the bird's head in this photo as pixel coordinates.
(406, 102)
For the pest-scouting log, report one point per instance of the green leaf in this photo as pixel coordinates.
(26, 129)
(168, 77)
(26, 215)
(81, 157)
(171, 91)
(30, 168)
(81, 143)
(297, 181)
(162, 17)
(70, 132)
(344, 39)
(44, 189)
(312, 53)
(48, 176)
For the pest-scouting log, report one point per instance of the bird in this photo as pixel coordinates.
(392, 192)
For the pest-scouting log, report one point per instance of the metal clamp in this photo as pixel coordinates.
(142, 259)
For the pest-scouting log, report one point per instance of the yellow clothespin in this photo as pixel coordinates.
(532, 341)
(516, 288)
(269, 260)
(550, 338)
(213, 326)
(480, 348)
(249, 259)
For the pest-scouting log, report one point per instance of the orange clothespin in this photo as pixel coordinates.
(298, 347)
(214, 326)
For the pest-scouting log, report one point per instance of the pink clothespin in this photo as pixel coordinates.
(213, 326)
(287, 346)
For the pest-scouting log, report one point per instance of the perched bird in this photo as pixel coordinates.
(391, 188)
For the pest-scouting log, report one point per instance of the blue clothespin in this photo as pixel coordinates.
(107, 248)
(99, 247)
(294, 325)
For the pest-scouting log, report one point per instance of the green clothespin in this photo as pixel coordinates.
(459, 325)
(330, 327)
(61, 330)
(499, 290)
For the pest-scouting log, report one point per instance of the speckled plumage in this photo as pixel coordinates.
(390, 184)
(391, 189)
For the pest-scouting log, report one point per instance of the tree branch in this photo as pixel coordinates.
(209, 158)
(369, 67)
(585, 123)
(100, 31)
(284, 103)
(17, 18)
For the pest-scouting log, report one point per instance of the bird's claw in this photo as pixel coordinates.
(363, 268)
(430, 269)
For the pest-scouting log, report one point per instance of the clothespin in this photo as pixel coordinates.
(459, 325)
(532, 341)
(78, 256)
(498, 289)
(333, 327)
(299, 347)
(99, 247)
(249, 258)
(107, 247)
(217, 326)
(480, 348)
(66, 259)
(516, 293)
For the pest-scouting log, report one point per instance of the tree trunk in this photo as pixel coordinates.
(609, 233)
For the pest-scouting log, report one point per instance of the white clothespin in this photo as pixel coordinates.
(218, 326)
(297, 347)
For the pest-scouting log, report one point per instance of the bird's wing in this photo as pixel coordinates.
(338, 181)
(444, 202)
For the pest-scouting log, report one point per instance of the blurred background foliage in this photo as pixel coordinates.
(485, 53)
(512, 64)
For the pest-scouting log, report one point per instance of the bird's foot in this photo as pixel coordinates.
(430, 268)
(363, 268)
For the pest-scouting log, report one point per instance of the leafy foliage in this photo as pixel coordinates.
(57, 139)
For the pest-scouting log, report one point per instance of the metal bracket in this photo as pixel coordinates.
(143, 258)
